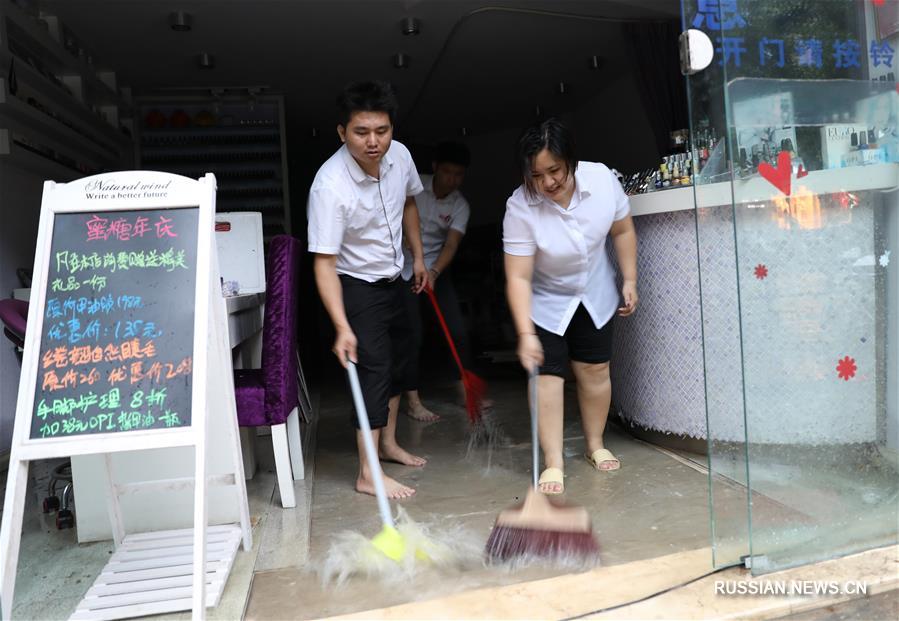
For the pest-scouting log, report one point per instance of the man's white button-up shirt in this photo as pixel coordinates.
(360, 218)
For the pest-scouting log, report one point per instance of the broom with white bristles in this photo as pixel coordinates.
(538, 526)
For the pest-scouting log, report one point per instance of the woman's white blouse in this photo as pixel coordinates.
(571, 265)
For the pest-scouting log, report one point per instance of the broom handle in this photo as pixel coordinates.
(446, 330)
(371, 455)
(535, 441)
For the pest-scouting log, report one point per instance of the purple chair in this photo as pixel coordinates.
(14, 316)
(268, 396)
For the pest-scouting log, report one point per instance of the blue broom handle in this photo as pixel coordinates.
(371, 455)
(535, 440)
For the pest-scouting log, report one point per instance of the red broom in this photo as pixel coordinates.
(474, 386)
(539, 526)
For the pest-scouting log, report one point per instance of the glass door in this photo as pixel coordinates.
(795, 129)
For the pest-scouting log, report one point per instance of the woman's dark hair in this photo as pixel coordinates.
(372, 96)
(552, 135)
(452, 153)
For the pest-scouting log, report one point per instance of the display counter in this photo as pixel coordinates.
(798, 280)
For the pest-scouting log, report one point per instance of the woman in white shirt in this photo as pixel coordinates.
(561, 285)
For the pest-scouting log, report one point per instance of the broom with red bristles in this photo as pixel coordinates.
(474, 386)
(539, 527)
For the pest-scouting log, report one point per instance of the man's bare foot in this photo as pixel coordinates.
(420, 412)
(400, 456)
(394, 488)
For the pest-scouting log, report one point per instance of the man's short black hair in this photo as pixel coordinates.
(452, 153)
(552, 135)
(371, 96)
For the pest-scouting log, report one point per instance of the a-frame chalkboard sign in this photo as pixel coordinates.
(127, 349)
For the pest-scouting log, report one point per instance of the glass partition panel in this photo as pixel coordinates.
(815, 227)
(717, 284)
(794, 129)
(796, 212)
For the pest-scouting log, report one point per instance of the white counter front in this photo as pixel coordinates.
(761, 305)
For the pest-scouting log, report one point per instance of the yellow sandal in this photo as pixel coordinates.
(601, 455)
(552, 475)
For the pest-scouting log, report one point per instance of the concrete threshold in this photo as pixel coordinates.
(677, 586)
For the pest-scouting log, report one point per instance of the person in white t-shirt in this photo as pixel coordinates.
(361, 207)
(561, 285)
(443, 213)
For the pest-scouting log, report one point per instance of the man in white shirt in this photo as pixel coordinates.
(361, 206)
(444, 213)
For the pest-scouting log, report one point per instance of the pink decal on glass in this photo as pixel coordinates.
(778, 177)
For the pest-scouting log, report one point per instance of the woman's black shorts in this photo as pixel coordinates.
(582, 342)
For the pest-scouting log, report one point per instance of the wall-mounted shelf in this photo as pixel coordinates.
(56, 106)
(240, 139)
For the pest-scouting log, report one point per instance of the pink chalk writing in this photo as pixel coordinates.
(124, 229)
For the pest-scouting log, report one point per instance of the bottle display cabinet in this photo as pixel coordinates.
(61, 115)
(240, 140)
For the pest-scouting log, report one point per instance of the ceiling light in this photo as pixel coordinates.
(181, 21)
(562, 88)
(205, 60)
(410, 26)
(401, 61)
(595, 62)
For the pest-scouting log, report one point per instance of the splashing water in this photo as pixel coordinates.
(487, 432)
(352, 554)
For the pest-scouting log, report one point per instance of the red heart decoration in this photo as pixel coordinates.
(778, 177)
(801, 172)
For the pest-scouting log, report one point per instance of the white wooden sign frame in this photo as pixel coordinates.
(212, 396)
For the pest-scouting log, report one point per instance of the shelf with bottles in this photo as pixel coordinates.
(29, 110)
(222, 135)
(43, 155)
(251, 153)
(33, 42)
(679, 168)
(59, 107)
(238, 138)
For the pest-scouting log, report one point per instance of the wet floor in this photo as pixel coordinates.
(654, 505)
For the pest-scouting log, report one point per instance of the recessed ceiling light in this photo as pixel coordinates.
(181, 21)
(401, 60)
(410, 26)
